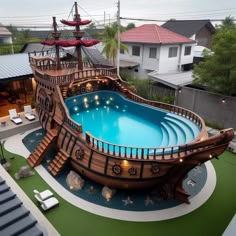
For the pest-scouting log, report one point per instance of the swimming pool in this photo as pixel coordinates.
(112, 118)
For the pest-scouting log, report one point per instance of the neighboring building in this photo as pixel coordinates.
(199, 30)
(154, 48)
(5, 35)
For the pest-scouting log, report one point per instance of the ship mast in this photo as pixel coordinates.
(56, 35)
(78, 35)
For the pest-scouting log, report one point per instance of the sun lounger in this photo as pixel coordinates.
(41, 196)
(49, 203)
(28, 113)
(14, 117)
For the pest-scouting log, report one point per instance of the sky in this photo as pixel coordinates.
(35, 13)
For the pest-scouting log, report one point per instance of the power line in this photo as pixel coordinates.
(209, 11)
(138, 19)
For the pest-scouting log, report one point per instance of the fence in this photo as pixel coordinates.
(217, 110)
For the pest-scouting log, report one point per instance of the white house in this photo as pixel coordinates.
(154, 48)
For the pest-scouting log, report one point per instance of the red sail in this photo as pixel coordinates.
(70, 43)
(75, 23)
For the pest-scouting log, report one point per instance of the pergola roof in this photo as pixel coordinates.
(15, 66)
(173, 80)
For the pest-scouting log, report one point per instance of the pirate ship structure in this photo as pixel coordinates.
(140, 168)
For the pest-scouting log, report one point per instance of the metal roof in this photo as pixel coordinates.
(15, 66)
(15, 219)
(96, 56)
(36, 47)
(128, 64)
(173, 80)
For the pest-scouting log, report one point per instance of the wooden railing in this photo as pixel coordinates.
(158, 154)
(78, 75)
(46, 62)
(128, 152)
(71, 123)
(67, 120)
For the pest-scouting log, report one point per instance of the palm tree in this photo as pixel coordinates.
(110, 42)
(227, 23)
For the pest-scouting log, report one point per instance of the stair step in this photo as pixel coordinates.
(54, 172)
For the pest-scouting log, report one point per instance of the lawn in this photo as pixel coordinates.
(210, 219)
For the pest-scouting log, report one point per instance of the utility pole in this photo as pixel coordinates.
(104, 18)
(118, 38)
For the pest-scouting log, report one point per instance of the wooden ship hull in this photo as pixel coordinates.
(164, 171)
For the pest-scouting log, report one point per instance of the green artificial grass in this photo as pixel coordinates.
(210, 219)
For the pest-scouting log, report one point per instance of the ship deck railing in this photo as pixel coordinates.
(168, 153)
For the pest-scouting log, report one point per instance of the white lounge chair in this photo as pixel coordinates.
(28, 112)
(41, 196)
(14, 117)
(49, 203)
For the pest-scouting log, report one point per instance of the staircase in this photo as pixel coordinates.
(57, 164)
(64, 92)
(37, 155)
(120, 86)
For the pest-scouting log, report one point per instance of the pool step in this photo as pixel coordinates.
(188, 133)
(37, 155)
(193, 127)
(171, 134)
(58, 162)
(180, 136)
(165, 137)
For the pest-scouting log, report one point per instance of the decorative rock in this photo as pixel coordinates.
(74, 181)
(108, 193)
(24, 172)
(7, 166)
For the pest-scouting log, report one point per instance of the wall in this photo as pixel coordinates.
(162, 63)
(209, 106)
(6, 39)
(127, 56)
(204, 37)
(151, 63)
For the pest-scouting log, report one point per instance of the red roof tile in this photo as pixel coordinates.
(151, 33)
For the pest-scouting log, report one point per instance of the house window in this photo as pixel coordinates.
(187, 50)
(152, 53)
(136, 51)
(122, 51)
(173, 52)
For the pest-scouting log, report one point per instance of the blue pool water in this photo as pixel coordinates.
(112, 118)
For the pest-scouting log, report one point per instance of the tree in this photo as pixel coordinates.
(227, 23)
(218, 70)
(111, 43)
(130, 26)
